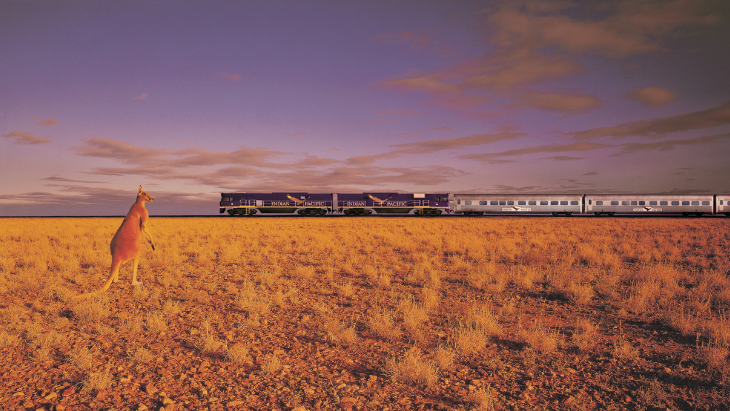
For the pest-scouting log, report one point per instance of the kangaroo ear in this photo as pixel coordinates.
(140, 189)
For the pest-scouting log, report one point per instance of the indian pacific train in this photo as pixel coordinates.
(433, 204)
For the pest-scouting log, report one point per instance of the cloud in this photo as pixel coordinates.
(431, 146)
(570, 103)
(532, 45)
(25, 138)
(591, 173)
(564, 158)
(712, 117)
(652, 96)
(58, 179)
(141, 96)
(231, 77)
(560, 148)
(672, 144)
(417, 42)
(45, 121)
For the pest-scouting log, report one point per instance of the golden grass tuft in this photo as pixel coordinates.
(412, 368)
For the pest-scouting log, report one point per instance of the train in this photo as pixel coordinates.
(434, 204)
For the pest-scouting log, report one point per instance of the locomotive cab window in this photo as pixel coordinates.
(442, 199)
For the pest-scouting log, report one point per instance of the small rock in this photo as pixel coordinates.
(141, 407)
(166, 401)
(67, 391)
(234, 403)
(50, 396)
(150, 389)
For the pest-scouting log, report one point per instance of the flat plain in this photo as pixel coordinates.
(368, 314)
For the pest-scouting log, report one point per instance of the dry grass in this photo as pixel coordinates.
(347, 294)
(412, 368)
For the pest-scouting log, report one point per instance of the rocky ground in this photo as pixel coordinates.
(225, 335)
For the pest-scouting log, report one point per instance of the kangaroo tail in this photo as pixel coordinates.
(112, 273)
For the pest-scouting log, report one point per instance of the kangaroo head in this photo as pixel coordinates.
(144, 195)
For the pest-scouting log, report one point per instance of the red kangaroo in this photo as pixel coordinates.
(127, 242)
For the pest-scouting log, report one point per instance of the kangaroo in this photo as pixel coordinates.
(127, 242)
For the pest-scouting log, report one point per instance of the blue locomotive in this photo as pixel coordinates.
(333, 203)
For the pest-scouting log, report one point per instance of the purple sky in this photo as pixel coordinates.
(191, 98)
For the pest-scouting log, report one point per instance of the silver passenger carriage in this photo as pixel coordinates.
(722, 204)
(611, 204)
(555, 204)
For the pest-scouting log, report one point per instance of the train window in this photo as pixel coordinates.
(705, 203)
(555, 202)
(675, 202)
(624, 202)
(642, 202)
(695, 203)
(502, 202)
(614, 202)
(720, 202)
(522, 202)
(590, 202)
(544, 202)
(563, 202)
(574, 202)
(532, 202)
(510, 202)
(663, 202)
(458, 201)
(442, 199)
(494, 202)
(685, 202)
(652, 203)
(467, 202)
(633, 203)
(599, 202)
(483, 202)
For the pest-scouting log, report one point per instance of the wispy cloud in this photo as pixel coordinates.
(652, 96)
(45, 121)
(672, 144)
(25, 138)
(432, 146)
(712, 117)
(141, 96)
(231, 76)
(557, 148)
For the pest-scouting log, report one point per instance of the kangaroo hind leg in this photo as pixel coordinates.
(134, 271)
